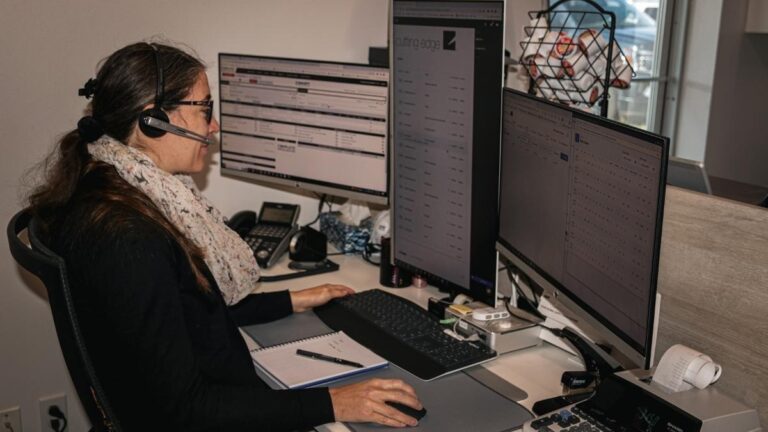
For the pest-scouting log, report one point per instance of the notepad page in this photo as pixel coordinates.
(294, 371)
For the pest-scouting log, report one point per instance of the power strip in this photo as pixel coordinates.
(489, 314)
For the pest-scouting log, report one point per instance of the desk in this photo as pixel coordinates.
(535, 370)
(737, 191)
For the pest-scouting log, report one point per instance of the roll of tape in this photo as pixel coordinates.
(537, 28)
(418, 281)
(591, 42)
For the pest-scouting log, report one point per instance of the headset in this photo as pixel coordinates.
(154, 122)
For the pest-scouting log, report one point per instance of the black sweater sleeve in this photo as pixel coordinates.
(261, 308)
(135, 281)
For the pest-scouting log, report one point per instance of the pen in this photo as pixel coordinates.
(324, 357)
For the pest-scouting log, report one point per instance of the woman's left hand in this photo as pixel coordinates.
(311, 297)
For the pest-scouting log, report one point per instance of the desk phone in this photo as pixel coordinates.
(274, 228)
(626, 402)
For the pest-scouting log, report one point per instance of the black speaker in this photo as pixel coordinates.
(308, 244)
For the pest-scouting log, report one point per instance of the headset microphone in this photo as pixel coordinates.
(154, 122)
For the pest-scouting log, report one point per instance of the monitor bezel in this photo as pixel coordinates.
(606, 332)
(433, 279)
(318, 186)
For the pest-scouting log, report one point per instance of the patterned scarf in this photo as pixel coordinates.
(228, 257)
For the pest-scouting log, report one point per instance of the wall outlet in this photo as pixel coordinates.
(10, 420)
(46, 404)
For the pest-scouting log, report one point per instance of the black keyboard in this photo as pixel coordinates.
(401, 332)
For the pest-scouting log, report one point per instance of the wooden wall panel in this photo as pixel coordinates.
(713, 277)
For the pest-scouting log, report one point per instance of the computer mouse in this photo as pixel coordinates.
(405, 409)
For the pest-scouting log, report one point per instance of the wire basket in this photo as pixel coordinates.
(566, 56)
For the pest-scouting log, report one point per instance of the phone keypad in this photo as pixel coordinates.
(270, 231)
(254, 242)
(263, 240)
(565, 420)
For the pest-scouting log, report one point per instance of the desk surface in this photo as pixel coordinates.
(535, 370)
(737, 191)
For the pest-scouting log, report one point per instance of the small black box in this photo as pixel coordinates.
(308, 244)
(437, 307)
(378, 56)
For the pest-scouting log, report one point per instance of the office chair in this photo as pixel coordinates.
(50, 269)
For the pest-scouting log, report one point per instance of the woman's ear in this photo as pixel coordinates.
(138, 139)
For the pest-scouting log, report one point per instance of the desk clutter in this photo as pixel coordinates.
(345, 237)
(627, 401)
(316, 360)
(403, 332)
(561, 171)
(448, 399)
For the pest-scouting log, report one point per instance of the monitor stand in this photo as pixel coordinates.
(596, 360)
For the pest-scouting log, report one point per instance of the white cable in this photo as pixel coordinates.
(453, 333)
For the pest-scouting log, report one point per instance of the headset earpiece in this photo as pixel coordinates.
(154, 122)
(157, 114)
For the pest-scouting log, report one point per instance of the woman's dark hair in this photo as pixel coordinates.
(125, 84)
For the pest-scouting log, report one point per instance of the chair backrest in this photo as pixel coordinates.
(49, 267)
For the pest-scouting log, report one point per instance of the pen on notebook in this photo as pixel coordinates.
(318, 356)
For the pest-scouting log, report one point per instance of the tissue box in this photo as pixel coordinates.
(345, 238)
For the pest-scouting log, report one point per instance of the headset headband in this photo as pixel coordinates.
(160, 82)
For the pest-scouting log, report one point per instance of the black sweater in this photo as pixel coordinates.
(170, 356)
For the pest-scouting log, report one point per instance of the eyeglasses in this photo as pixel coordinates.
(207, 104)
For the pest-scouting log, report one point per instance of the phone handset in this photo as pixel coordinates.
(682, 368)
(242, 222)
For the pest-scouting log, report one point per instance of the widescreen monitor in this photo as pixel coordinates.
(320, 126)
(447, 66)
(580, 213)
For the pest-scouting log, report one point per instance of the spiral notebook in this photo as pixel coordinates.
(293, 371)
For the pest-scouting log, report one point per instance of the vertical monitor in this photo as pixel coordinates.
(580, 212)
(447, 69)
(320, 126)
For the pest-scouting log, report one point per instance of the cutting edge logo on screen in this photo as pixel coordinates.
(448, 43)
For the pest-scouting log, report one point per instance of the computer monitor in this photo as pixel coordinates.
(447, 69)
(316, 125)
(580, 213)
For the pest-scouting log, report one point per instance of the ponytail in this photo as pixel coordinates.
(62, 170)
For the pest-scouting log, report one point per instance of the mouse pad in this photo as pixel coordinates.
(454, 403)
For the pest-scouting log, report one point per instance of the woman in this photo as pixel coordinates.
(154, 268)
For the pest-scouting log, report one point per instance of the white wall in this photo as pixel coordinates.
(722, 110)
(697, 78)
(737, 139)
(50, 48)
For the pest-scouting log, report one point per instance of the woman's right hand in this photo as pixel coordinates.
(365, 402)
